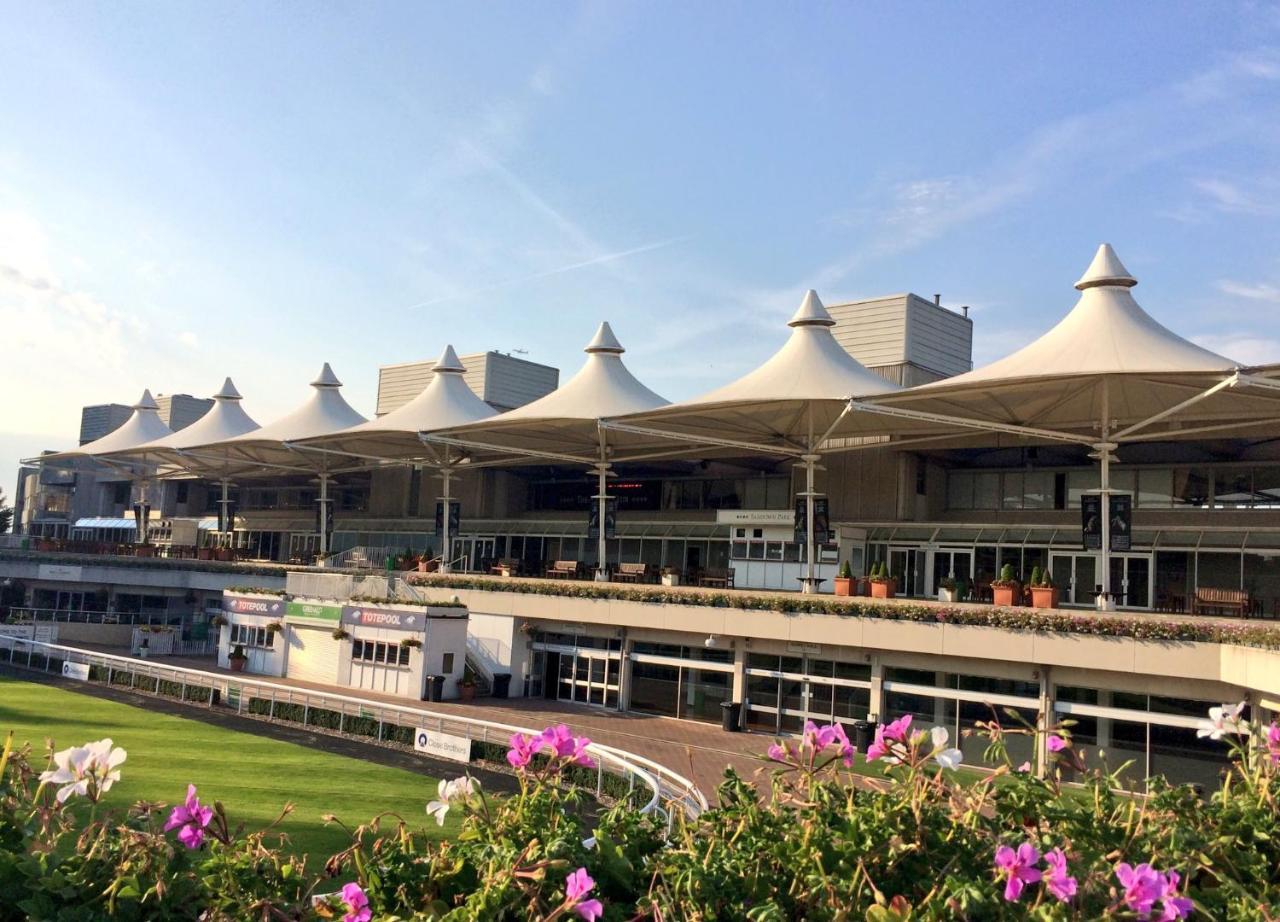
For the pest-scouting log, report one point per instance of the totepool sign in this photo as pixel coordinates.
(443, 745)
(242, 606)
(380, 617)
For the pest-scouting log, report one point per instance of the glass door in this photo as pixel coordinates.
(956, 565)
(1076, 576)
(1131, 580)
(906, 565)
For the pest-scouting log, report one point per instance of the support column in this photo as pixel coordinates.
(224, 504)
(624, 674)
(602, 507)
(1104, 449)
(740, 671)
(446, 550)
(1046, 719)
(324, 515)
(875, 703)
(811, 550)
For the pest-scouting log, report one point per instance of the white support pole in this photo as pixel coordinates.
(1104, 448)
(810, 464)
(224, 505)
(324, 515)
(446, 552)
(602, 508)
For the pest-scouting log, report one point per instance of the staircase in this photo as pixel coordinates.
(484, 681)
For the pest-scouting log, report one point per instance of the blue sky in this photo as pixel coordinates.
(189, 191)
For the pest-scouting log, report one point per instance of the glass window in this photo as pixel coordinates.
(986, 491)
(1037, 490)
(959, 490)
(1190, 487)
(1233, 488)
(1155, 488)
(1011, 498)
(447, 665)
(1266, 486)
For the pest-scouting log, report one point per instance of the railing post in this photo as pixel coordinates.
(599, 776)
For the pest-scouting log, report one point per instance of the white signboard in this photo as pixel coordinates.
(457, 748)
(58, 571)
(755, 517)
(76, 671)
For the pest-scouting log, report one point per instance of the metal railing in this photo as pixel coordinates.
(70, 616)
(363, 557)
(668, 792)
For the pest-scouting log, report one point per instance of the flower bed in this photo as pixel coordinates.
(1146, 627)
(918, 843)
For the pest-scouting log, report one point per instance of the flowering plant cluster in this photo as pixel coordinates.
(898, 833)
(1015, 619)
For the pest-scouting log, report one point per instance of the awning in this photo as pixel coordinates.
(97, 522)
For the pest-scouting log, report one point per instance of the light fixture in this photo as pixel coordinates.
(711, 641)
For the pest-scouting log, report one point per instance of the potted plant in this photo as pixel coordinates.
(844, 580)
(1044, 594)
(426, 564)
(341, 633)
(218, 620)
(224, 554)
(670, 576)
(948, 590)
(237, 659)
(883, 585)
(411, 643)
(1105, 602)
(144, 550)
(467, 685)
(204, 553)
(275, 627)
(1005, 588)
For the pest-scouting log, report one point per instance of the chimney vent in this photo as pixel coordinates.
(965, 310)
(937, 300)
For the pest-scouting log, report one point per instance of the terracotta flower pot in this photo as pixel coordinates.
(466, 692)
(882, 589)
(1044, 596)
(236, 663)
(1005, 595)
(844, 586)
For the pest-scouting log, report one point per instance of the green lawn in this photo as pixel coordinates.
(252, 775)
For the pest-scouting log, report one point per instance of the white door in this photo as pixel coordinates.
(313, 654)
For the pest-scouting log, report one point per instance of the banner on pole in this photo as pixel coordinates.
(455, 518)
(1121, 521)
(1091, 521)
(610, 519)
(821, 521)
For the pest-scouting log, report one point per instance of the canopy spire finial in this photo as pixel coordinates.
(326, 378)
(811, 313)
(1106, 269)
(146, 401)
(228, 391)
(604, 341)
(449, 361)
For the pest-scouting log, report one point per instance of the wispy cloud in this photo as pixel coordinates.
(1246, 197)
(602, 259)
(1260, 291)
(1241, 346)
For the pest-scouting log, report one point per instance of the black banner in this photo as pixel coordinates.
(1121, 522)
(1091, 520)
(821, 521)
(227, 516)
(455, 518)
(141, 516)
(610, 519)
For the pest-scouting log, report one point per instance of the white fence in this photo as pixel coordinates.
(619, 774)
(94, 617)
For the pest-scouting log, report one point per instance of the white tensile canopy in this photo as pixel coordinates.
(787, 406)
(445, 401)
(564, 425)
(226, 419)
(1107, 373)
(267, 449)
(143, 425)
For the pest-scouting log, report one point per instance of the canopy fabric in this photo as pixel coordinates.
(564, 422)
(101, 522)
(445, 401)
(786, 403)
(224, 420)
(266, 449)
(143, 425)
(1107, 359)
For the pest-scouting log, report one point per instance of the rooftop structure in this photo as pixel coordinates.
(500, 380)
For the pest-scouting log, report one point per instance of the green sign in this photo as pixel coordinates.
(314, 612)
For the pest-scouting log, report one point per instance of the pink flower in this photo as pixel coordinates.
(1024, 767)
(567, 747)
(777, 753)
(1142, 887)
(578, 885)
(1057, 881)
(1019, 868)
(522, 749)
(1172, 906)
(1057, 743)
(886, 734)
(1273, 743)
(897, 730)
(356, 904)
(846, 748)
(190, 819)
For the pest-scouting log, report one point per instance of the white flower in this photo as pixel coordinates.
(947, 758)
(1223, 720)
(87, 771)
(448, 791)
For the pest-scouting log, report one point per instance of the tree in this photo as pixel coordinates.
(6, 513)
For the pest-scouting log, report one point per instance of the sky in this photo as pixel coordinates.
(190, 191)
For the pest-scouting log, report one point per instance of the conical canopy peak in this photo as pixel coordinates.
(1106, 269)
(811, 312)
(146, 401)
(326, 378)
(228, 391)
(449, 362)
(604, 341)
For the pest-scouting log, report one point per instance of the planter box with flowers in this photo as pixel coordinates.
(1044, 594)
(1005, 589)
(883, 586)
(845, 583)
(948, 590)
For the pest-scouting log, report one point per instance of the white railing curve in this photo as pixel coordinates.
(669, 793)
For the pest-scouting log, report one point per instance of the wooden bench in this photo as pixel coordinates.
(1209, 600)
(716, 576)
(633, 573)
(507, 566)
(563, 569)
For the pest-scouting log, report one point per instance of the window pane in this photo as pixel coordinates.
(1155, 488)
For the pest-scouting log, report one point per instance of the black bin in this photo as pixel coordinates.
(435, 688)
(502, 685)
(731, 715)
(862, 733)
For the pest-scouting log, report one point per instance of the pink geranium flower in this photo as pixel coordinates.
(1017, 868)
(1142, 887)
(522, 749)
(567, 747)
(1172, 906)
(577, 886)
(1056, 743)
(886, 734)
(190, 819)
(356, 904)
(1273, 743)
(1056, 880)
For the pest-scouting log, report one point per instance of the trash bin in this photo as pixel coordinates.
(502, 685)
(731, 715)
(216, 697)
(862, 732)
(435, 692)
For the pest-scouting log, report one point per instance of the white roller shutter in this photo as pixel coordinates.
(313, 654)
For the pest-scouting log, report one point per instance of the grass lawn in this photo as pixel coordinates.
(252, 775)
